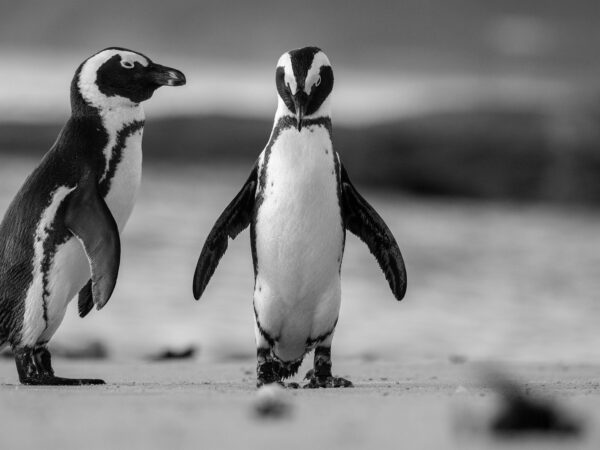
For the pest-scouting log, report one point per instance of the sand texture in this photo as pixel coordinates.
(211, 406)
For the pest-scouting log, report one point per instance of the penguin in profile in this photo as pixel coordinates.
(60, 234)
(299, 202)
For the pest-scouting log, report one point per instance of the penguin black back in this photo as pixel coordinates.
(60, 166)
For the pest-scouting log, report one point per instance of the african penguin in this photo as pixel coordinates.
(299, 202)
(60, 234)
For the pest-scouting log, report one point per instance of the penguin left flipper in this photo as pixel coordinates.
(362, 220)
(90, 221)
(235, 218)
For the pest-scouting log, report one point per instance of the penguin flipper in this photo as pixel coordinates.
(85, 301)
(90, 221)
(235, 218)
(362, 220)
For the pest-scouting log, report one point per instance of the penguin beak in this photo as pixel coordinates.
(166, 76)
(300, 101)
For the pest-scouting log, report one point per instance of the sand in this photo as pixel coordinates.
(484, 283)
(189, 404)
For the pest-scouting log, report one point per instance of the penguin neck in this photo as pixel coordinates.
(111, 116)
(116, 118)
(113, 125)
(284, 116)
(114, 112)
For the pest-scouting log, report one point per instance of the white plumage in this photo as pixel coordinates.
(299, 241)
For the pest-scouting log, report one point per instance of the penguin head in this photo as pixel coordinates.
(117, 77)
(304, 80)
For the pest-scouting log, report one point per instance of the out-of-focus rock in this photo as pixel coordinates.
(457, 359)
(521, 413)
(272, 401)
(171, 354)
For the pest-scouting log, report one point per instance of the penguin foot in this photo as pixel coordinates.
(59, 381)
(267, 369)
(34, 366)
(320, 376)
(327, 382)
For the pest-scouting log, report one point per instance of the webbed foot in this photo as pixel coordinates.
(315, 382)
(35, 369)
(267, 369)
(320, 376)
(59, 381)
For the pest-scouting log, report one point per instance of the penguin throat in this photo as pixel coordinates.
(323, 113)
(122, 114)
(114, 108)
(120, 124)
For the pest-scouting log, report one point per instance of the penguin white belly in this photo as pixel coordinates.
(43, 283)
(299, 242)
(70, 268)
(68, 274)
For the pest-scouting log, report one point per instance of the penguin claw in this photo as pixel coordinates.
(328, 382)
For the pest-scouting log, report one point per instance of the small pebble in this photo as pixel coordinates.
(272, 401)
(457, 359)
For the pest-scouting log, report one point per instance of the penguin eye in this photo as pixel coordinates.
(318, 82)
(127, 64)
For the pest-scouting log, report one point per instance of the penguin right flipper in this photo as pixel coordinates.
(90, 221)
(85, 300)
(363, 221)
(235, 218)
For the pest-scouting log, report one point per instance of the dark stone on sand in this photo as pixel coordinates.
(524, 414)
(170, 354)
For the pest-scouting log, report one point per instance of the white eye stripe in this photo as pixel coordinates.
(127, 64)
(320, 60)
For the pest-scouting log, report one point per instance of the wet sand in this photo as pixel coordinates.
(198, 405)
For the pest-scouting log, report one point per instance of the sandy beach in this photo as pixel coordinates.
(484, 284)
(471, 127)
(189, 404)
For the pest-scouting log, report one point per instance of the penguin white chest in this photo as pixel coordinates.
(70, 262)
(299, 239)
(125, 183)
(299, 230)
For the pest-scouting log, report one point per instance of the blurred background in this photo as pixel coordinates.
(473, 128)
